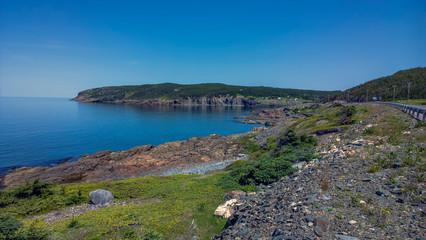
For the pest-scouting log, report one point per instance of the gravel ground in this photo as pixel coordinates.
(341, 197)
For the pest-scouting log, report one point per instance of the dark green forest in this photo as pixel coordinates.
(178, 91)
(383, 87)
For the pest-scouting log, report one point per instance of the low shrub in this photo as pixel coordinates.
(271, 162)
(12, 228)
(346, 115)
(250, 144)
(369, 131)
(420, 124)
(9, 226)
(373, 168)
(36, 188)
(264, 170)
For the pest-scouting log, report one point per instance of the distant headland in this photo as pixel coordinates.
(211, 94)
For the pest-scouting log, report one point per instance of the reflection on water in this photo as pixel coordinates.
(40, 131)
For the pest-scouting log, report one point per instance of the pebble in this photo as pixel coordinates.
(318, 231)
(352, 222)
(344, 237)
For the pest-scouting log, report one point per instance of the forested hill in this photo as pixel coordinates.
(171, 91)
(383, 87)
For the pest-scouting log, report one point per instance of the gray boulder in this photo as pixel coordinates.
(101, 196)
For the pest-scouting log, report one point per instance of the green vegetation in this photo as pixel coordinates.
(420, 124)
(11, 229)
(391, 127)
(39, 197)
(172, 206)
(383, 87)
(271, 162)
(334, 117)
(413, 102)
(178, 91)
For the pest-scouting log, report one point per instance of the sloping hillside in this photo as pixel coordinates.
(383, 87)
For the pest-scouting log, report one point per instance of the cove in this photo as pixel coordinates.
(46, 131)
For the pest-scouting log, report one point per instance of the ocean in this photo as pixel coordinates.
(47, 131)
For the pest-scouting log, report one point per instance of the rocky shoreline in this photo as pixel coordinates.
(195, 155)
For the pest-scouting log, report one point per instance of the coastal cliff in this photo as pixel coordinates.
(204, 100)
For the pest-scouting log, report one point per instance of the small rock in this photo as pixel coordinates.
(312, 198)
(242, 232)
(380, 193)
(326, 197)
(344, 237)
(322, 224)
(318, 231)
(310, 224)
(352, 222)
(100, 196)
(396, 191)
(310, 218)
(299, 166)
(277, 232)
(362, 202)
(397, 164)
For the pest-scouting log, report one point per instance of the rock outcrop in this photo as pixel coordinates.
(140, 161)
(203, 101)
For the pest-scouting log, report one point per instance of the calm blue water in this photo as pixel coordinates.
(45, 131)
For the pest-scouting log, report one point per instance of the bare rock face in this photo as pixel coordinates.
(101, 196)
(140, 161)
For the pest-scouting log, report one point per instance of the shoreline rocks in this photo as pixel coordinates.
(196, 155)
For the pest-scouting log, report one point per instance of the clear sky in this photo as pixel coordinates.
(58, 48)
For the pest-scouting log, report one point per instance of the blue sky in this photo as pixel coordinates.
(58, 48)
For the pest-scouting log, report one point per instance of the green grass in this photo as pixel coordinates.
(413, 101)
(183, 200)
(392, 126)
(337, 117)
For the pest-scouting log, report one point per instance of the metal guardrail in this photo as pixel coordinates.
(416, 111)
